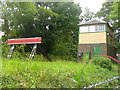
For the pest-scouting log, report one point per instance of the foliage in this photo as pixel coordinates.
(85, 59)
(0, 50)
(102, 62)
(17, 17)
(18, 51)
(110, 13)
(67, 58)
(79, 78)
(39, 58)
(88, 15)
(59, 74)
(56, 23)
(115, 15)
(66, 36)
(105, 11)
(5, 50)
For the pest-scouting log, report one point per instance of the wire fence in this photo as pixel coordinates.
(109, 80)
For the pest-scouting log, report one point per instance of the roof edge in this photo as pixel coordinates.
(88, 22)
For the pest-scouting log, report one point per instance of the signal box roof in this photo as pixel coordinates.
(92, 22)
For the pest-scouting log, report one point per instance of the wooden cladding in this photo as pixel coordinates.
(96, 37)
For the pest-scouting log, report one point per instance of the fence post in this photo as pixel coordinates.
(33, 51)
(11, 51)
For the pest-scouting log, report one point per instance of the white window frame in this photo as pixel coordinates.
(92, 28)
(99, 28)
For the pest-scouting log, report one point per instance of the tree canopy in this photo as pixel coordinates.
(56, 23)
(110, 12)
(87, 15)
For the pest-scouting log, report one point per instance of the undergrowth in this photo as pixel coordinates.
(59, 74)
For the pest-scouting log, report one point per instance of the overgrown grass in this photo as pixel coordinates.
(58, 74)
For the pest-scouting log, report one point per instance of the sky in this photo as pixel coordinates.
(93, 5)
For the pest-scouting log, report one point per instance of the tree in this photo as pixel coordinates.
(56, 23)
(115, 15)
(67, 33)
(18, 18)
(87, 15)
(63, 32)
(110, 13)
(104, 12)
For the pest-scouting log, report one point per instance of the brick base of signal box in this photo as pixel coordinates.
(106, 49)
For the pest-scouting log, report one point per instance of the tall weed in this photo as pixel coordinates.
(59, 74)
(85, 59)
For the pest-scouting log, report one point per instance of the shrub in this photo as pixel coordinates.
(5, 49)
(39, 57)
(103, 62)
(19, 52)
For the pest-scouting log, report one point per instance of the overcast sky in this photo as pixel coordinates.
(93, 5)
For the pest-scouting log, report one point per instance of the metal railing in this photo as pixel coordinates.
(109, 80)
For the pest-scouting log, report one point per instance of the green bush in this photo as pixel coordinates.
(18, 51)
(5, 49)
(39, 57)
(103, 62)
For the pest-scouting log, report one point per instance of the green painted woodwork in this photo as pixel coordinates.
(97, 50)
(88, 54)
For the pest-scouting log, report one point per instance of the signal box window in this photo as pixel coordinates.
(99, 28)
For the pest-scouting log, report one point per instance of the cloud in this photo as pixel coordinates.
(93, 5)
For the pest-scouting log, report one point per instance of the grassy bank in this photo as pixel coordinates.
(58, 74)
